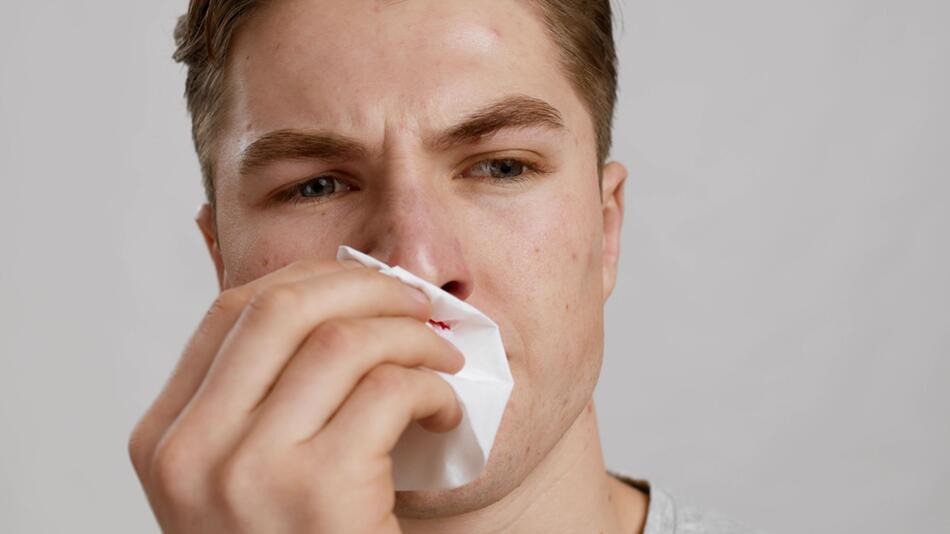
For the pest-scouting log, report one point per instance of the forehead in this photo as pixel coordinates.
(361, 66)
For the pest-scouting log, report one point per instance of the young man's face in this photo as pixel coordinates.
(512, 222)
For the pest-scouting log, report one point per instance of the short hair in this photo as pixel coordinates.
(581, 29)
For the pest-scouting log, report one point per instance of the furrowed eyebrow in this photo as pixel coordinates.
(518, 111)
(296, 144)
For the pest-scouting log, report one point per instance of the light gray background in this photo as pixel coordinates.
(778, 345)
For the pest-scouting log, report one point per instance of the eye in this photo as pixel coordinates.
(500, 169)
(312, 190)
(322, 186)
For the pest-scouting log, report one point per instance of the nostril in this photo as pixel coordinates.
(456, 288)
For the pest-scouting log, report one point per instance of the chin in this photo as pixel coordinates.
(524, 440)
(495, 482)
(509, 464)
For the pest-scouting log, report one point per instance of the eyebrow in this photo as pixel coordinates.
(297, 144)
(512, 112)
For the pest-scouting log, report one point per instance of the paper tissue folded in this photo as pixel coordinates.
(424, 460)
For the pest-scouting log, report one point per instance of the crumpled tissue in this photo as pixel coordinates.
(424, 460)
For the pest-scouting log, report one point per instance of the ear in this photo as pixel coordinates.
(614, 176)
(206, 223)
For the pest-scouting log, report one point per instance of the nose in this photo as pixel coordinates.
(415, 228)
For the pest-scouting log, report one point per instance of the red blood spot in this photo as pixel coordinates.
(440, 324)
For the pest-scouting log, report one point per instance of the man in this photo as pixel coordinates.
(464, 141)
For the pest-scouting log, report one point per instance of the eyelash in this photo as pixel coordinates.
(529, 170)
(292, 195)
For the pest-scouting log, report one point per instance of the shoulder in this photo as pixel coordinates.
(669, 515)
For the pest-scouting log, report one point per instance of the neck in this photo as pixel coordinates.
(569, 491)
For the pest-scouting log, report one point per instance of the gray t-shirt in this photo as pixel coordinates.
(667, 515)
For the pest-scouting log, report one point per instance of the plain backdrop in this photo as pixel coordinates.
(778, 347)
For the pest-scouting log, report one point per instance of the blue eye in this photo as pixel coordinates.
(320, 187)
(314, 189)
(504, 169)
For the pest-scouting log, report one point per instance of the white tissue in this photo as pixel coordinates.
(424, 460)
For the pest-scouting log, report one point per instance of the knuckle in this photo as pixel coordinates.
(172, 469)
(336, 466)
(233, 480)
(314, 479)
(242, 478)
(229, 301)
(387, 381)
(273, 299)
(335, 336)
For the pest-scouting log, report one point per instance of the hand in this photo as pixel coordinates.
(285, 404)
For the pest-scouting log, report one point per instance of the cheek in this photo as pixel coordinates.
(550, 267)
(254, 250)
(547, 284)
(563, 258)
